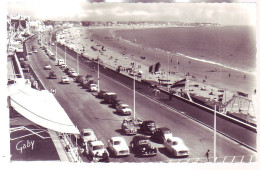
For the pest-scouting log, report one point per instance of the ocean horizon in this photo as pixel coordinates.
(232, 47)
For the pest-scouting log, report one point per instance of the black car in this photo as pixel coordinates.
(141, 146)
(52, 75)
(102, 94)
(80, 79)
(148, 127)
(161, 134)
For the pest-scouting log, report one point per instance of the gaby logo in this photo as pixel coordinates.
(22, 145)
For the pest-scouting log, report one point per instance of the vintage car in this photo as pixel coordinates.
(65, 80)
(52, 75)
(111, 98)
(128, 126)
(66, 70)
(96, 151)
(87, 84)
(148, 127)
(47, 67)
(123, 109)
(118, 146)
(63, 66)
(161, 134)
(93, 87)
(73, 73)
(176, 147)
(87, 135)
(80, 79)
(141, 145)
(102, 94)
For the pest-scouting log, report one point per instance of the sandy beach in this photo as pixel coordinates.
(120, 52)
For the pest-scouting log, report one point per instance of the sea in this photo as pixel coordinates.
(232, 47)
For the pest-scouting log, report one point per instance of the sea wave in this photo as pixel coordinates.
(191, 57)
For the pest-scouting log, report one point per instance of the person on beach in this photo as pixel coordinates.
(207, 155)
(229, 75)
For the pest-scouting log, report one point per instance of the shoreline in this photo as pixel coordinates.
(117, 52)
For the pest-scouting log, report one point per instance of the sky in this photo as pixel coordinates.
(81, 10)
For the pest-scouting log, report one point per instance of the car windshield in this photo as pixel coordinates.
(117, 142)
(98, 147)
(150, 124)
(175, 143)
(87, 134)
(125, 107)
(143, 142)
(167, 132)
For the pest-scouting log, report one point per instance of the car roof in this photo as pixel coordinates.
(124, 105)
(164, 129)
(140, 137)
(174, 138)
(117, 138)
(87, 130)
(148, 121)
(97, 143)
(111, 93)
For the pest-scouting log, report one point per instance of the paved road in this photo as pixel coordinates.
(86, 111)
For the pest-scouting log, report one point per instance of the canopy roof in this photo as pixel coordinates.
(42, 108)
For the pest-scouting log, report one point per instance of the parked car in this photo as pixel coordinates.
(52, 75)
(118, 146)
(176, 147)
(86, 84)
(68, 70)
(102, 94)
(148, 127)
(141, 145)
(162, 134)
(89, 77)
(65, 80)
(47, 67)
(123, 109)
(128, 126)
(111, 98)
(96, 151)
(80, 79)
(73, 73)
(93, 87)
(87, 135)
(63, 66)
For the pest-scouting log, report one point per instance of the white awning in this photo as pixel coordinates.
(42, 108)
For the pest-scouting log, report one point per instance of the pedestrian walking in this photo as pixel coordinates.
(207, 155)
(170, 95)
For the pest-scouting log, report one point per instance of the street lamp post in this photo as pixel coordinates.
(98, 74)
(65, 55)
(134, 95)
(77, 63)
(56, 51)
(215, 133)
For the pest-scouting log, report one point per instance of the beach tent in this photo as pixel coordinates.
(42, 108)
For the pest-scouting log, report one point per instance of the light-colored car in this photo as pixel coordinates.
(96, 151)
(123, 109)
(63, 66)
(118, 146)
(87, 135)
(93, 87)
(47, 67)
(176, 147)
(128, 127)
(73, 74)
(65, 80)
